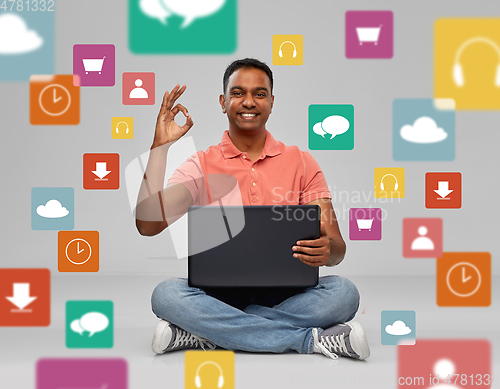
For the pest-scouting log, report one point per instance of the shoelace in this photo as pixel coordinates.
(183, 338)
(330, 343)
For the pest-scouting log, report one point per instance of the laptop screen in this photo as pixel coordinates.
(250, 246)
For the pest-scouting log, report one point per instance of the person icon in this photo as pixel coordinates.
(443, 370)
(422, 242)
(138, 92)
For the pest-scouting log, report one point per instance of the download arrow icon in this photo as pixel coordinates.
(443, 190)
(100, 170)
(21, 297)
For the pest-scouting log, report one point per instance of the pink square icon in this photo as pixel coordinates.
(369, 34)
(450, 363)
(365, 224)
(91, 373)
(94, 65)
(138, 88)
(422, 237)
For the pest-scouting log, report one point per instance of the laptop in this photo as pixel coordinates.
(250, 246)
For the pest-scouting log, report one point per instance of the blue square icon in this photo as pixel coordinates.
(398, 327)
(423, 130)
(52, 208)
(27, 40)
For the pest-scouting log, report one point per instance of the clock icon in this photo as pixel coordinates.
(78, 251)
(463, 279)
(54, 99)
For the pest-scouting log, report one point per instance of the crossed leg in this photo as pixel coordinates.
(257, 328)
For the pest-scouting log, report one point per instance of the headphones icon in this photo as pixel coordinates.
(294, 49)
(458, 75)
(197, 379)
(118, 131)
(382, 184)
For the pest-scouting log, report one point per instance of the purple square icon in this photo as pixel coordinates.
(369, 34)
(95, 373)
(365, 223)
(94, 65)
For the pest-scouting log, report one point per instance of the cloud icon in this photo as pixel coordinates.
(52, 210)
(15, 38)
(398, 328)
(424, 130)
(189, 9)
(333, 125)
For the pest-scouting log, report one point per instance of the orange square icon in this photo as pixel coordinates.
(443, 190)
(78, 251)
(101, 171)
(463, 280)
(54, 100)
(24, 297)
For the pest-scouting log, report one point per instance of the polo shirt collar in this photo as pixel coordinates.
(229, 150)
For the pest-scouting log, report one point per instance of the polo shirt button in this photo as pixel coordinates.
(253, 169)
(244, 157)
(254, 184)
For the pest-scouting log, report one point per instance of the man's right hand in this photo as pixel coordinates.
(167, 130)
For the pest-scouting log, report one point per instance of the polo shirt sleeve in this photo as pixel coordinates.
(315, 186)
(190, 174)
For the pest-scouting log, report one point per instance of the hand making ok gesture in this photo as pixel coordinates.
(167, 130)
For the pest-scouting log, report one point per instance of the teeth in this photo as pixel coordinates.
(248, 115)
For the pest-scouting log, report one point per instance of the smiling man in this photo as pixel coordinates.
(311, 320)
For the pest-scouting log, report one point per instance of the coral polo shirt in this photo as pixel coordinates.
(282, 175)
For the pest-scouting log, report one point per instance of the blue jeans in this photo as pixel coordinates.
(257, 323)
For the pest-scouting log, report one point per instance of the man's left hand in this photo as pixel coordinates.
(314, 252)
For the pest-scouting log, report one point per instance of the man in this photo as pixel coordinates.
(309, 320)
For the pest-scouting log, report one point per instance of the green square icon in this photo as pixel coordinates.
(331, 127)
(89, 324)
(182, 26)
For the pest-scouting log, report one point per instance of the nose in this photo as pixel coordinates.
(249, 101)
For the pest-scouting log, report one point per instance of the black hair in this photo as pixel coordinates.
(246, 63)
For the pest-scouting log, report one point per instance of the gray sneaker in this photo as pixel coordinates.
(169, 337)
(347, 340)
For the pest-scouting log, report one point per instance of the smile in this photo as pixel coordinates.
(248, 115)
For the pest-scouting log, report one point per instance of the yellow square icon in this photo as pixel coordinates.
(389, 182)
(467, 62)
(288, 50)
(122, 128)
(209, 369)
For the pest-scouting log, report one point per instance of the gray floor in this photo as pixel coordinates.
(135, 323)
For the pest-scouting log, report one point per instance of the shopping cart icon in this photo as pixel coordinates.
(364, 224)
(368, 34)
(93, 65)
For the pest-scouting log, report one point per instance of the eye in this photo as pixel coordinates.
(237, 93)
(261, 95)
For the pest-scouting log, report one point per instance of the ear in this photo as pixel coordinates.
(272, 102)
(222, 101)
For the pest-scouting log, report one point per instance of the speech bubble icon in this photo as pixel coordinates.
(154, 9)
(75, 326)
(192, 9)
(94, 322)
(319, 130)
(335, 125)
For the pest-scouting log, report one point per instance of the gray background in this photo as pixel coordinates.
(36, 156)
